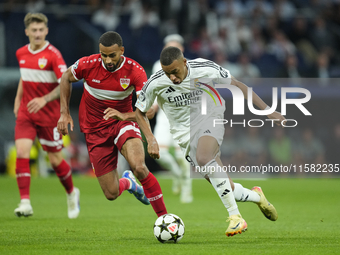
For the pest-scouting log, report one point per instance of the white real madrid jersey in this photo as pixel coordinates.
(182, 103)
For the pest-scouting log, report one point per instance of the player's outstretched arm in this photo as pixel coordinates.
(65, 95)
(144, 125)
(276, 116)
(18, 97)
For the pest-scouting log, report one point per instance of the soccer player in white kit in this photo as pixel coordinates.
(195, 133)
(182, 183)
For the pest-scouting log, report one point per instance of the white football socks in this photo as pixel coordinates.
(223, 188)
(245, 195)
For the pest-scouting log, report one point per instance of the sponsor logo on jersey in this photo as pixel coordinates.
(22, 61)
(124, 82)
(42, 62)
(96, 81)
(185, 98)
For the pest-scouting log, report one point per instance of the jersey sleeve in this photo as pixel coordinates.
(222, 75)
(140, 80)
(78, 69)
(213, 71)
(146, 97)
(59, 66)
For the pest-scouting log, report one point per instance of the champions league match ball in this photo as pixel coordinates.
(169, 228)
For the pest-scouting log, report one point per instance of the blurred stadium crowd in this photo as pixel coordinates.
(252, 38)
(258, 38)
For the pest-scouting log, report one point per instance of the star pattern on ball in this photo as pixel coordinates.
(178, 221)
(164, 226)
(174, 237)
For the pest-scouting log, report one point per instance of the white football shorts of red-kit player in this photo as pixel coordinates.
(49, 137)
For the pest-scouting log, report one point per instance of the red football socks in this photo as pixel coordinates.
(124, 184)
(64, 173)
(153, 192)
(23, 175)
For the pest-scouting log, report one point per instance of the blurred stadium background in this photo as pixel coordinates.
(263, 43)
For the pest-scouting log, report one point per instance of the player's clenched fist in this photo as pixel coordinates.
(63, 122)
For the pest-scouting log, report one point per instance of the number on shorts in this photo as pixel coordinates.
(187, 157)
(56, 135)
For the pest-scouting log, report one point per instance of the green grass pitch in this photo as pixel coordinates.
(308, 220)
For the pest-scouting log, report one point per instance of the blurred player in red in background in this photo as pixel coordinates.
(36, 108)
(106, 117)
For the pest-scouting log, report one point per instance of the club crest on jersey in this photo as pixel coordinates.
(124, 82)
(42, 62)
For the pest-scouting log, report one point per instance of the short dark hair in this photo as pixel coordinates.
(111, 38)
(169, 55)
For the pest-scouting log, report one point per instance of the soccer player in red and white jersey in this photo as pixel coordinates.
(106, 117)
(36, 108)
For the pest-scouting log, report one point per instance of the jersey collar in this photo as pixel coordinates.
(121, 65)
(40, 50)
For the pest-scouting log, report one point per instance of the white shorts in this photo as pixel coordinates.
(207, 129)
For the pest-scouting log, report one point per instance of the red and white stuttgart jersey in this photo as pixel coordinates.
(41, 71)
(103, 89)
